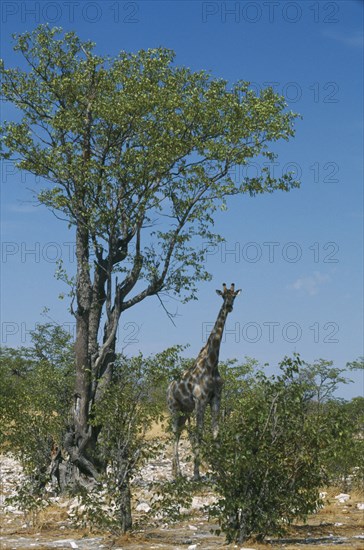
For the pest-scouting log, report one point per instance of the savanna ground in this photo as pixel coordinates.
(339, 522)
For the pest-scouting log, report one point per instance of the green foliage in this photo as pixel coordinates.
(277, 446)
(237, 377)
(343, 459)
(127, 140)
(53, 345)
(35, 397)
(281, 437)
(357, 364)
(96, 508)
(341, 422)
(130, 404)
(31, 502)
(127, 409)
(322, 380)
(173, 498)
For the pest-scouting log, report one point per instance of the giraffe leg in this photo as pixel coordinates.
(215, 419)
(196, 440)
(215, 410)
(177, 427)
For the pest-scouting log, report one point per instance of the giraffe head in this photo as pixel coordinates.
(228, 295)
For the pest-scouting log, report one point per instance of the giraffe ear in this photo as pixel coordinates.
(238, 292)
(219, 292)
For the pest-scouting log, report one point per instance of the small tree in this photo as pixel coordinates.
(127, 409)
(237, 380)
(35, 392)
(138, 155)
(281, 439)
(266, 462)
(34, 408)
(343, 459)
(340, 422)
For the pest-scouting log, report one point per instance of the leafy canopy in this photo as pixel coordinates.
(138, 150)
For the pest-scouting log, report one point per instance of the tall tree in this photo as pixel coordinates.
(137, 154)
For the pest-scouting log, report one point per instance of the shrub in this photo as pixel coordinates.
(35, 397)
(267, 459)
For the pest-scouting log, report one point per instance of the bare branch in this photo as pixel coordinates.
(169, 314)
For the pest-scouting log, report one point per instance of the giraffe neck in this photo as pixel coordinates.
(214, 340)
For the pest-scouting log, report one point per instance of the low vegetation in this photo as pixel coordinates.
(283, 438)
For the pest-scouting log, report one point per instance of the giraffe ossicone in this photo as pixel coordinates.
(200, 385)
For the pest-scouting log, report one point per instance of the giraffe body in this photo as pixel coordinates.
(200, 386)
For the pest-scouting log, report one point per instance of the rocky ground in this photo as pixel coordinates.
(339, 522)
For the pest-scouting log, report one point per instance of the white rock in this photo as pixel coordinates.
(64, 504)
(192, 527)
(143, 507)
(360, 506)
(197, 503)
(74, 503)
(192, 547)
(342, 497)
(11, 509)
(338, 524)
(66, 542)
(156, 498)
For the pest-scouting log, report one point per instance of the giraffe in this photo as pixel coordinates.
(199, 386)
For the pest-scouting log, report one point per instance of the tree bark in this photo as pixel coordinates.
(122, 473)
(78, 437)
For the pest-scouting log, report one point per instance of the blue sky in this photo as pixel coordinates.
(299, 256)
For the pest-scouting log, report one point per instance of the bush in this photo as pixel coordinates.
(35, 397)
(343, 460)
(36, 387)
(341, 422)
(281, 437)
(126, 410)
(267, 460)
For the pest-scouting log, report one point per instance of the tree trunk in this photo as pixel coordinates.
(78, 437)
(124, 500)
(94, 367)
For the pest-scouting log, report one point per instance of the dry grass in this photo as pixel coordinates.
(319, 526)
(158, 430)
(333, 520)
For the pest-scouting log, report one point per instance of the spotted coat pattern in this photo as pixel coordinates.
(199, 386)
